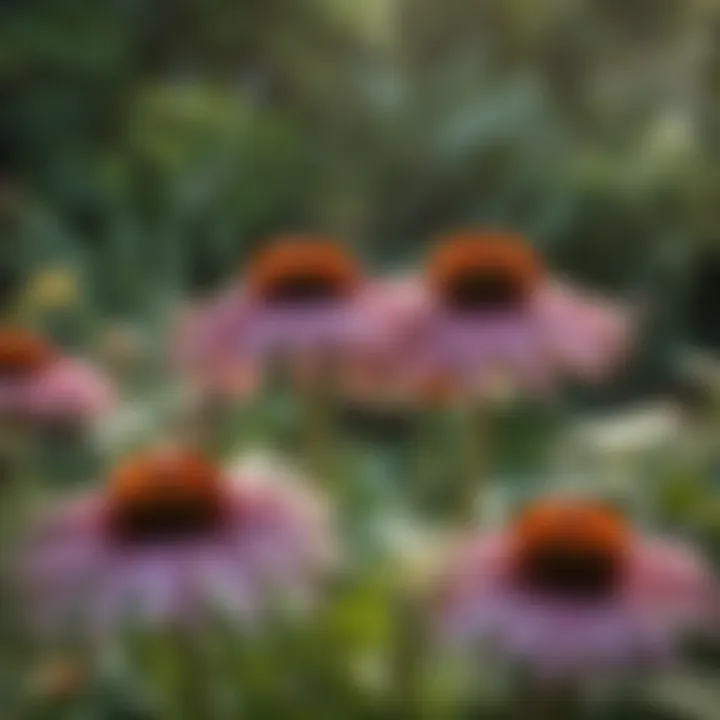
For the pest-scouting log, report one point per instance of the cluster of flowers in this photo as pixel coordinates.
(569, 585)
(485, 303)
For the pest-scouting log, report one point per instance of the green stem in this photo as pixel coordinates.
(16, 476)
(192, 698)
(317, 433)
(407, 657)
(419, 472)
(16, 498)
(475, 470)
(548, 701)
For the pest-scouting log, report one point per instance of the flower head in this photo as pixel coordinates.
(301, 298)
(487, 307)
(39, 383)
(164, 497)
(571, 587)
(475, 273)
(303, 271)
(23, 354)
(171, 536)
(570, 551)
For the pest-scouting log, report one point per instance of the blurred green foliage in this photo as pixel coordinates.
(154, 144)
(149, 146)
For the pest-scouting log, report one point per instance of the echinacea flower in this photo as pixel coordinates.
(488, 309)
(40, 384)
(572, 588)
(172, 536)
(301, 297)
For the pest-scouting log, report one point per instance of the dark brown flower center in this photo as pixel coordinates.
(22, 354)
(570, 552)
(306, 289)
(482, 272)
(165, 497)
(303, 272)
(485, 290)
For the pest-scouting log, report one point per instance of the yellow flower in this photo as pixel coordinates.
(52, 288)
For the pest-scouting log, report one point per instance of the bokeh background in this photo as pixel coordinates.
(152, 145)
(146, 148)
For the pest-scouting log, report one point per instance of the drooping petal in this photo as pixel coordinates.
(584, 336)
(70, 389)
(670, 581)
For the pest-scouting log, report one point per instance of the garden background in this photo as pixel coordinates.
(147, 148)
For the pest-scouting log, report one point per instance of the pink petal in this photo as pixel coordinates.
(70, 389)
(665, 578)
